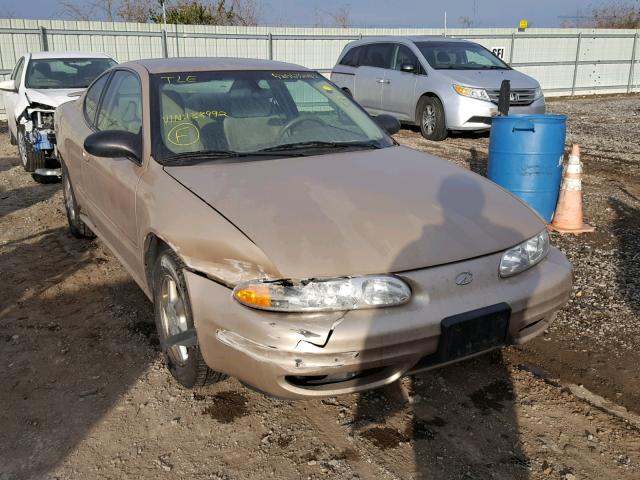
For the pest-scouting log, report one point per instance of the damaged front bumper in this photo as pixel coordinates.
(39, 136)
(291, 355)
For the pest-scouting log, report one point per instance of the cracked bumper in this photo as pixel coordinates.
(269, 350)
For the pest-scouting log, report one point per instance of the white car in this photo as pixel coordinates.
(39, 83)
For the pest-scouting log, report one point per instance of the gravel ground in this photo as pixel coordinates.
(84, 393)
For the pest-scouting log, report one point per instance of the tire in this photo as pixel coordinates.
(77, 227)
(174, 316)
(430, 118)
(31, 159)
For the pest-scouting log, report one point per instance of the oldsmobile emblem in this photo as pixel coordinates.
(464, 278)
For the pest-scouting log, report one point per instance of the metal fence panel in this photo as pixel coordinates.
(564, 61)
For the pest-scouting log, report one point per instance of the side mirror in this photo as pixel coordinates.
(388, 123)
(8, 86)
(114, 144)
(408, 67)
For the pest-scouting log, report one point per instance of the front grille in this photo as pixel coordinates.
(519, 97)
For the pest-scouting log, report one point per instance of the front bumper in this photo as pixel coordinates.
(363, 349)
(464, 113)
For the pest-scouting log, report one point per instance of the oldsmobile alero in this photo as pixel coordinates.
(286, 239)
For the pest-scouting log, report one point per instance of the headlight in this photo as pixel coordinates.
(524, 256)
(477, 93)
(538, 93)
(317, 295)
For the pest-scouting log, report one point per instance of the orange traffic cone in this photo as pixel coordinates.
(568, 216)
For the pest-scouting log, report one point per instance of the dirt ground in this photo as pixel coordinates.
(84, 395)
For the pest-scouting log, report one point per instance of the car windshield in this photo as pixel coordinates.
(459, 56)
(243, 113)
(65, 72)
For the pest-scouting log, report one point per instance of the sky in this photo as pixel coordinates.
(391, 13)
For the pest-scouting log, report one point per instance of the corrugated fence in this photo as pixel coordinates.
(564, 61)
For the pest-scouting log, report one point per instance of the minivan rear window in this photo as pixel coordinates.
(351, 57)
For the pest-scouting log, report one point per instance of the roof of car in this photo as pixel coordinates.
(199, 64)
(411, 38)
(50, 55)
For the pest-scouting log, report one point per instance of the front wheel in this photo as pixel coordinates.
(77, 227)
(173, 317)
(32, 159)
(431, 119)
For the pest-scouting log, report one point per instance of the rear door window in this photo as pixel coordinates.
(377, 55)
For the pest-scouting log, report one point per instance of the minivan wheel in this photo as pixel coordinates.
(173, 316)
(431, 119)
(77, 227)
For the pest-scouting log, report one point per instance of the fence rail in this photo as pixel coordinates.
(564, 61)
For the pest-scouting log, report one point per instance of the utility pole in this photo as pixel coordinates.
(445, 23)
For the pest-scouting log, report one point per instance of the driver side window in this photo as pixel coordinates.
(405, 55)
(121, 107)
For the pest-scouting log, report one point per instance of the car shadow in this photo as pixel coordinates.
(24, 197)
(66, 336)
(459, 420)
(626, 228)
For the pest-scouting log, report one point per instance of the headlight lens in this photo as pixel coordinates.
(524, 256)
(538, 93)
(317, 295)
(477, 93)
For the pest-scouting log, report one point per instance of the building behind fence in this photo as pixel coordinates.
(564, 61)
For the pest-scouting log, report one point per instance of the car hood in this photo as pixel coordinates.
(374, 211)
(52, 96)
(491, 79)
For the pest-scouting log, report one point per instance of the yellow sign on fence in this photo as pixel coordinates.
(524, 24)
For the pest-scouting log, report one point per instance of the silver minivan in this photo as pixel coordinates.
(438, 83)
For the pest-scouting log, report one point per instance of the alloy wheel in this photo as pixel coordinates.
(173, 317)
(429, 119)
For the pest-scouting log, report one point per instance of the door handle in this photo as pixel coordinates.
(382, 80)
(85, 156)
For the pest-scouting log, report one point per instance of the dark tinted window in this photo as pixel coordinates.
(351, 57)
(93, 97)
(405, 55)
(121, 108)
(377, 55)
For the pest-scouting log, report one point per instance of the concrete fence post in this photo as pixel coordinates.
(270, 46)
(165, 49)
(632, 66)
(177, 43)
(513, 44)
(575, 65)
(44, 41)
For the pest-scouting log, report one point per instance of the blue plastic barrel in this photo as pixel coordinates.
(525, 157)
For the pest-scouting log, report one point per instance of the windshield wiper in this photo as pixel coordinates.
(318, 144)
(191, 158)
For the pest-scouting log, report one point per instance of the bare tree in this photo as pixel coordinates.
(249, 12)
(341, 18)
(617, 15)
(467, 22)
(134, 11)
(90, 10)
